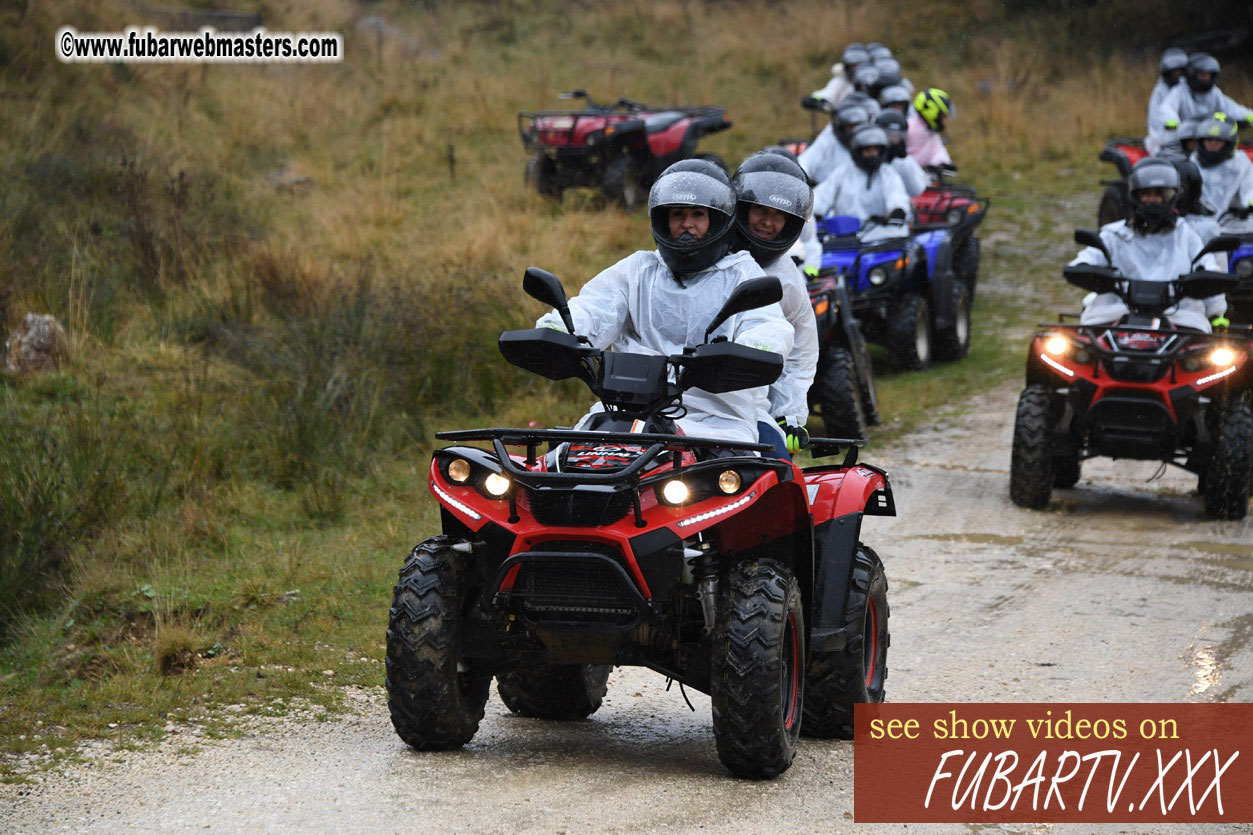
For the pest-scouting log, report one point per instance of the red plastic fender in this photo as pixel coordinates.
(839, 491)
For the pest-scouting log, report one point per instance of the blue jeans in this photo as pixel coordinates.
(770, 433)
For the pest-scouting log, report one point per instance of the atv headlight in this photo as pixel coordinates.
(496, 485)
(675, 492)
(953, 216)
(1244, 269)
(1056, 345)
(729, 481)
(1222, 356)
(878, 276)
(459, 470)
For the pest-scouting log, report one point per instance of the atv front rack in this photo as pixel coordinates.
(629, 477)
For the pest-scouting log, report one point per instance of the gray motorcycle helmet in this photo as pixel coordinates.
(895, 97)
(1215, 128)
(845, 120)
(854, 54)
(1171, 64)
(770, 179)
(865, 77)
(878, 51)
(869, 136)
(692, 182)
(1153, 172)
(1199, 62)
(896, 126)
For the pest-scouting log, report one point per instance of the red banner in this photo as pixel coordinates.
(1053, 763)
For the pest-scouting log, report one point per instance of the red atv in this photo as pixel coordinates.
(619, 148)
(1139, 389)
(629, 543)
(1123, 153)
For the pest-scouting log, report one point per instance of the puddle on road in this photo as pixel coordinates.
(1243, 553)
(1212, 659)
(975, 538)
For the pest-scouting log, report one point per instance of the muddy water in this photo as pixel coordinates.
(1120, 590)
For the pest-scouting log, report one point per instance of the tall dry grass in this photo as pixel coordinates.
(278, 276)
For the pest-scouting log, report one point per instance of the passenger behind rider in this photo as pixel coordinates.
(1201, 215)
(866, 188)
(1152, 244)
(1198, 98)
(660, 301)
(1170, 69)
(773, 201)
(1227, 176)
(911, 173)
(841, 83)
(931, 111)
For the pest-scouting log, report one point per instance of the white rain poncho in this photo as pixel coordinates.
(824, 155)
(912, 175)
(789, 395)
(1163, 256)
(1158, 137)
(1229, 184)
(851, 191)
(837, 88)
(1207, 229)
(638, 306)
(1181, 104)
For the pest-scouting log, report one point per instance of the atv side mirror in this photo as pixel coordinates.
(1089, 238)
(1222, 243)
(546, 287)
(748, 295)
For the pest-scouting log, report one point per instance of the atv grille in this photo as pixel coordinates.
(1144, 371)
(1125, 426)
(579, 505)
(573, 590)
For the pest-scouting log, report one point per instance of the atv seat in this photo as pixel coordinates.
(657, 122)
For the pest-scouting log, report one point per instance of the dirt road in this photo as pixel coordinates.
(1120, 591)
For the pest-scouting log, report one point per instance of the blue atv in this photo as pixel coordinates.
(904, 291)
(1240, 264)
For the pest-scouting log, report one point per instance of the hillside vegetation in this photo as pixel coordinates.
(279, 281)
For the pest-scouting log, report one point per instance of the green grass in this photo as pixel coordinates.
(208, 504)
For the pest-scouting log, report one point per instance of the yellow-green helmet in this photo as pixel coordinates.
(934, 106)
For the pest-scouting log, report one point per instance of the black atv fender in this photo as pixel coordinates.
(1118, 158)
(850, 332)
(941, 286)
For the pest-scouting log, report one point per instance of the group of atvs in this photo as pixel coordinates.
(908, 287)
(565, 552)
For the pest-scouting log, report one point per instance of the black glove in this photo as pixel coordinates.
(797, 434)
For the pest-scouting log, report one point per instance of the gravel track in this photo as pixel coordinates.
(1120, 590)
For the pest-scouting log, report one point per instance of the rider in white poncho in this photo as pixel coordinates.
(1154, 245)
(660, 301)
(773, 201)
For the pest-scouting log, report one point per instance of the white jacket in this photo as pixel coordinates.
(1206, 228)
(824, 155)
(912, 175)
(637, 305)
(789, 395)
(850, 191)
(837, 88)
(1158, 137)
(1181, 104)
(1228, 184)
(1163, 256)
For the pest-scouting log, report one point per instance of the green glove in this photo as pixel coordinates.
(811, 272)
(797, 435)
(1220, 322)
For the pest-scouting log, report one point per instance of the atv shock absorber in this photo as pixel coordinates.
(704, 568)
